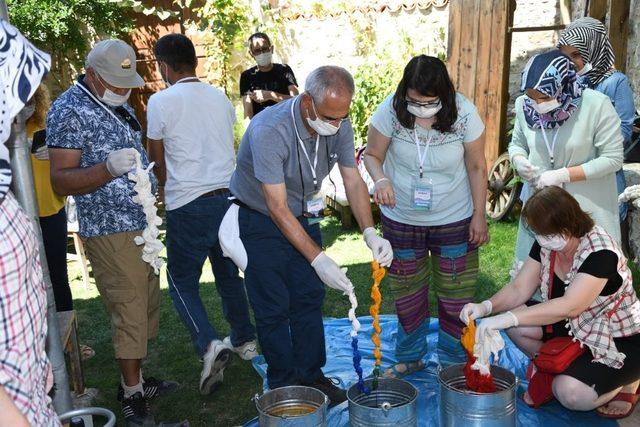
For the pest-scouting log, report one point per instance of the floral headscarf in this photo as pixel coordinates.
(554, 75)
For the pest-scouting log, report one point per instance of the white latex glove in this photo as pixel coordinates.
(524, 167)
(121, 161)
(475, 311)
(489, 344)
(495, 323)
(331, 274)
(381, 248)
(553, 177)
(631, 194)
(42, 153)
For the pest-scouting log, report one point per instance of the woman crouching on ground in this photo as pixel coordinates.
(590, 298)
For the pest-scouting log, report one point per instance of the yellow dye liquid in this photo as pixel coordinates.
(296, 410)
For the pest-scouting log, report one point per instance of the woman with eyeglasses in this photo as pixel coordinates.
(569, 136)
(587, 295)
(425, 152)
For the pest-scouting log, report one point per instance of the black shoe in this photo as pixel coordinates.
(136, 411)
(326, 385)
(153, 387)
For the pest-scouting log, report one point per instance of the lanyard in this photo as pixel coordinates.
(187, 78)
(421, 157)
(88, 92)
(550, 149)
(313, 165)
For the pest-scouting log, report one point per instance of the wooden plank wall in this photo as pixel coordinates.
(478, 62)
(619, 31)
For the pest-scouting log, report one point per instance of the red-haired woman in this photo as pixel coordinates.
(587, 293)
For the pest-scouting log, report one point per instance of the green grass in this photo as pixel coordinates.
(172, 356)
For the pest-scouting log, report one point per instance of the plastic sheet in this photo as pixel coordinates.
(339, 365)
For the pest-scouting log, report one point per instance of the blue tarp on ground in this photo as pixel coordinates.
(339, 365)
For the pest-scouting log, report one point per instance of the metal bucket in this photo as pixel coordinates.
(393, 403)
(292, 406)
(461, 407)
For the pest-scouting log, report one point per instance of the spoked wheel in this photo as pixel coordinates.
(503, 190)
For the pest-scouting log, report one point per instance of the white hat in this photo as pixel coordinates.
(229, 237)
(115, 62)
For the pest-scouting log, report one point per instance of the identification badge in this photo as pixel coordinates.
(314, 208)
(422, 193)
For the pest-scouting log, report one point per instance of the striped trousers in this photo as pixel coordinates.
(452, 270)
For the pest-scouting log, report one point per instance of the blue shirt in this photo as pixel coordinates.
(617, 88)
(77, 122)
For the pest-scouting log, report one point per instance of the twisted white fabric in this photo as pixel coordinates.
(355, 323)
(144, 197)
(631, 194)
(489, 343)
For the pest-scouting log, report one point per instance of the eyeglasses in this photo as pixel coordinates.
(337, 120)
(422, 104)
(259, 51)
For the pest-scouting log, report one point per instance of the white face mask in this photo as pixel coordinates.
(323, 128)
(553, 242)
(111, 98)
(263, 59)
(546, 107)
(585, 69)
(423, 112)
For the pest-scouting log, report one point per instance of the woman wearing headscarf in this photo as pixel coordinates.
(586, 43)
(566, 135)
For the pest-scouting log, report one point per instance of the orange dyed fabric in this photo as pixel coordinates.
(475, 380)
(374, 310)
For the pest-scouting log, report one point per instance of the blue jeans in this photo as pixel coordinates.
(192, 235)
(621, 184)
(286, 295)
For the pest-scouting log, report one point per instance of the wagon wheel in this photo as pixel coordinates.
(504, 190)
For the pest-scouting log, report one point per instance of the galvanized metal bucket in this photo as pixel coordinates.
(292, 406)
(393, 403)
(461, 408)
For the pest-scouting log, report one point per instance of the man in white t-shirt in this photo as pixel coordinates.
(190, 130)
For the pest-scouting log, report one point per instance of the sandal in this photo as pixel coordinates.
(411, 367)
(622, 397)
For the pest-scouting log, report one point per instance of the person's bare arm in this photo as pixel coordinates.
(293, 90)
(476, 166)
(358, 196)
(276, 198)
(524, 285)
(9, 413)
(156, 155)
(579, 295)
(247, 106)
(68, 178)
(374, 155)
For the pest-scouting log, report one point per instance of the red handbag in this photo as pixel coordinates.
(558, 353)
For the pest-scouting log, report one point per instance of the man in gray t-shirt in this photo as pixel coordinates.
(285, 154)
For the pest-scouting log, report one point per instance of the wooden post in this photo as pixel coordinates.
(619, 31)
(598, 9)
(478, 60)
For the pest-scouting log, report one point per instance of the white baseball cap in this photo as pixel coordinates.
(115, 62)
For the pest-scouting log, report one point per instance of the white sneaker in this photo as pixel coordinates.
(246, 351)
(215, 360)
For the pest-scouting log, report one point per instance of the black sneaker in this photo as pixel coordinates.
(136, 411)
(326, 385)
(153, 387)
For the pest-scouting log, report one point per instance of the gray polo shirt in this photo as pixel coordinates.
(270, 153)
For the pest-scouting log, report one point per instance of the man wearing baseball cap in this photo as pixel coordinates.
(94, 139)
